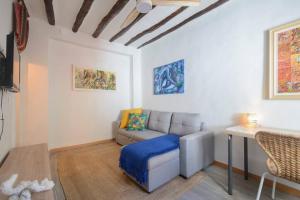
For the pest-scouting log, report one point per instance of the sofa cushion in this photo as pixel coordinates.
(140, 135)
(136, 122)
(147, 113)
(125, 116)
(185, 123)
(160, 121)
(124, 132)
(156, 161)
(148, 134)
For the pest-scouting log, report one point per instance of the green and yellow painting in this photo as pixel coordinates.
(93, 79)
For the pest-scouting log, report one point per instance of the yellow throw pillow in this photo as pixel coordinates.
(125, 116)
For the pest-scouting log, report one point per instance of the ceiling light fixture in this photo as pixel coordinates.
(144, 6)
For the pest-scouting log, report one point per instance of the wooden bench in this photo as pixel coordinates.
(30, 163)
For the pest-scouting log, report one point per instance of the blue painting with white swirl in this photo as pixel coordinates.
(169, 79)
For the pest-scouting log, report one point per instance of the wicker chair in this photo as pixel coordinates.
(283, 157)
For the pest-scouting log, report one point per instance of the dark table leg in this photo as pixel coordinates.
(230, 164)
(246, 158)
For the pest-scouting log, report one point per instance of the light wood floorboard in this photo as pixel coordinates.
(58, 190)
(93, 173)
(214, 186)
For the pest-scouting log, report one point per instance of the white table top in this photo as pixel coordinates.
(242, 131)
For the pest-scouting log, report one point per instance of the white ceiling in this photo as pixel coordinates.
(66, 11)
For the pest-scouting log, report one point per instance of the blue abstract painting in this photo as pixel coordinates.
(169, 79)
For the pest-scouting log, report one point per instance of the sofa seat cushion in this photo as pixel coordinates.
(148, 134)
(160, 121)
(140, 135)
(159, 160)
(185, 123)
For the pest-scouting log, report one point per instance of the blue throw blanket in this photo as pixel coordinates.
(134, 157)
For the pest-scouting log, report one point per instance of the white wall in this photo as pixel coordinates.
(9, 100)
(225, 53)
(51, 111)
(77, 117)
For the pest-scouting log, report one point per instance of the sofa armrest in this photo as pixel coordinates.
(115, 127)
(196, 152)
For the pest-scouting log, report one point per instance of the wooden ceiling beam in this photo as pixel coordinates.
(124, 30)
(116, 9)
(85, 8)
(194, 16)
(156, 26)
(50, 11)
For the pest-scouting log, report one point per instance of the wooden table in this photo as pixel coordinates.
(30, 163)
(246, 133)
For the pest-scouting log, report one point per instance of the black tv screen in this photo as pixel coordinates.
(11, 79)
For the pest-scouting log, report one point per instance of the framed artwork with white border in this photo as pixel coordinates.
(93, 79)
(284, 63)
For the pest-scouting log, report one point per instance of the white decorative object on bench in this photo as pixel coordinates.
(30, 163)
(23, 190)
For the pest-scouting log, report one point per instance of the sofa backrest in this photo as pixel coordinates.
(147, 113)
(185, 123)
(160, 121)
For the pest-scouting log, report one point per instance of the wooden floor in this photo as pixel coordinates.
(214, 186)
(92, 173)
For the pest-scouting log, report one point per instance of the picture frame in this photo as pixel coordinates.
(284, 61)
(169, 78)
(96, 79)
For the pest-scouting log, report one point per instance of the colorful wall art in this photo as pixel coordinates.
(169, 79)
(93, 79)
(285, 61)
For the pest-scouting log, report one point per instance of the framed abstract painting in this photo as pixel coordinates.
(169, 79)
(93, 79)
(284, 69)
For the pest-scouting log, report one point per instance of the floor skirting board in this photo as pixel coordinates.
(279, 186)
(60, 149)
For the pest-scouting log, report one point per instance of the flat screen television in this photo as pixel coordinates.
(10, 79)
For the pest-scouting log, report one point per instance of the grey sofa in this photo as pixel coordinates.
(196, 145)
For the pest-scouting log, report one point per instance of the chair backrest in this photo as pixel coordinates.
(283, 152)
